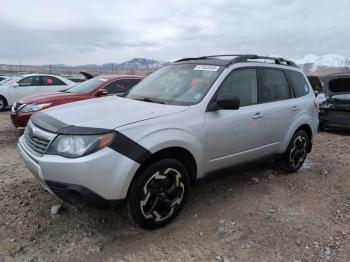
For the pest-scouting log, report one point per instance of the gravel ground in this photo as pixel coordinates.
(255, 212)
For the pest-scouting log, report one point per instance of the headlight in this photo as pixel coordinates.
(34, 107)
(73, 146)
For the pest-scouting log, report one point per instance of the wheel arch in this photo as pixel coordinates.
(175, 152)
(304, 122)
(6, 102)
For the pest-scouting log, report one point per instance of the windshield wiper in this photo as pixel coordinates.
(147, 99)
(122, 94)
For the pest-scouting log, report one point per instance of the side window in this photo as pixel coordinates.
(243, 84)
(274, 86)
(51, 81)
(299, 83)
(121, 86)
(30, 81)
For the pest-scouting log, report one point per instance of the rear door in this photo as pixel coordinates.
(28, 86)
(280, 109)
(50, 84)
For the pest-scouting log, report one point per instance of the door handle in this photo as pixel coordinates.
(257, 116)
(295, 108)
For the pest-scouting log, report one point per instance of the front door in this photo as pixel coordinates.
(28, 86)
(233, 136)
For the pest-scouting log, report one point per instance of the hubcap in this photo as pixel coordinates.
(298, 151)
(163, 191)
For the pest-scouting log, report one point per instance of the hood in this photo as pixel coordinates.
(337, 84)
(49, 97)
(109, 112)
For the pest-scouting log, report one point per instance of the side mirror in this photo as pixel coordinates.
(101, 92)
(224, 101)
(228, 102)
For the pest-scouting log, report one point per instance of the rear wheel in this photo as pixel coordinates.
(3, 104)
(296, 152)
(157, 195)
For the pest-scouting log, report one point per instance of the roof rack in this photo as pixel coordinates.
(243, 58)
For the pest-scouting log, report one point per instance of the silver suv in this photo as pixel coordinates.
(180, 123)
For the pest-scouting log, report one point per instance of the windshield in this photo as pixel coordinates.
(341, 85)
(86, 86)
(8, 80)
(184, 84)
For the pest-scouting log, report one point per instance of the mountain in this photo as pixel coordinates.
(140, 63)
(313, 63)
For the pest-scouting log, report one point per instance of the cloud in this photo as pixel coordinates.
(78, 32)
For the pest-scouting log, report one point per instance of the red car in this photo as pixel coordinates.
(95, 87)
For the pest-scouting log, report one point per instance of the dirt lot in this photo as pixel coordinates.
(228, 217)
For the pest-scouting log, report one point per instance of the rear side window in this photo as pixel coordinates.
(274, 86)
(243, 84)
(51, 81)
(299, 83)
(121, 86)
(30, 81)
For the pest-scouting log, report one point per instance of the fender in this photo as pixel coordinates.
(4, 92)
(302, 119)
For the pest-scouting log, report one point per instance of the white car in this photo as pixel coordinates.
(180, 123)
(23, 86)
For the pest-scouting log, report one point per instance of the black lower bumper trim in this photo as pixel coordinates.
(81, 196)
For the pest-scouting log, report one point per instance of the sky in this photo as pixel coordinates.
(76, 32)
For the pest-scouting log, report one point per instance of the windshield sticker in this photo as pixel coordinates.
(197, 96)
(206, 68)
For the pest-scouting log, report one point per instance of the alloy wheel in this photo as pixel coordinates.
(298, 151)
(164, 191)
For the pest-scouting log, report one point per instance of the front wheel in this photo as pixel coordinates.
(158, 193)
(3, 104)
(296, 152)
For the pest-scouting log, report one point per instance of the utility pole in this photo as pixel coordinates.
(20, 66)
(112, 68)
(50, 69)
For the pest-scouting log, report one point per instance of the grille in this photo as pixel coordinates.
(37, 139)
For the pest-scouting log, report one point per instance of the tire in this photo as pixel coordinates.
(158, 194)
(3, 104)
(296, 152)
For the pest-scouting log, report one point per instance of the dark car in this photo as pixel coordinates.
(335, 102)
(95, 87)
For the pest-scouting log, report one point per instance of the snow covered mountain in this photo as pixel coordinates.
(330, 60)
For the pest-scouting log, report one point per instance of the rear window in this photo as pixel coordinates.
(86, 86)
(299, 83)
(341, 85)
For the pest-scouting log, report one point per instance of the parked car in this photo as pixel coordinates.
(3, 78)
(316, 83)
(334, 102)
(95, 87)
(180, 123)
(29, 85)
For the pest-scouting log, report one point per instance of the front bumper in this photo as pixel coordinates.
(20, 120)
(101, 176)
(335, 119)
